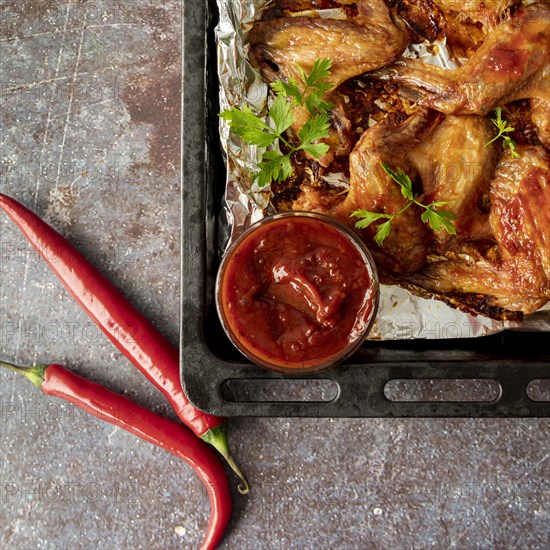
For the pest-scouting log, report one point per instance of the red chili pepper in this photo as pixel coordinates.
(124, 413)
(127, 329)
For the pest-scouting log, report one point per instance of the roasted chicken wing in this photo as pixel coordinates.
(489, 13)
(406, 247)
(513, 63)
(515, 275)
(456, 167)
(357, 41)
(361, 42)
(447, 158)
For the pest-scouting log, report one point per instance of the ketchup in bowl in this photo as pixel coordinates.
(297, 292)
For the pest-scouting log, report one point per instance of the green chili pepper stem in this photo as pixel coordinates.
(34, 374)
(218, 438)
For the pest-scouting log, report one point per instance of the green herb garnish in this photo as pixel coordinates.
(314, 88)
(436, 219)
(503, 129)
(274, 165)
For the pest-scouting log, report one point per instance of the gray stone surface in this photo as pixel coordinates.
(89, 137)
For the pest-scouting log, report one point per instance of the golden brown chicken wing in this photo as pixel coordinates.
(367, 40)
(513, 63)
(489, 13)
(449, 161)
(516, 275)
(358, 40)
(455, 166)
(406, 247)
(447, 158)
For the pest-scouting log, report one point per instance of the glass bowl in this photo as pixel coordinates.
(297, 292)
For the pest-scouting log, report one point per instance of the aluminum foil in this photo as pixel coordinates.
(401, 315)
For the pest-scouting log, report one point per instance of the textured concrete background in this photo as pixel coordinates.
(90, 123)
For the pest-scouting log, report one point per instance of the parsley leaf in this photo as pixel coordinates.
(382, 231)
(281, 113)
(274, 165)
(503, 129)
(316, 150)
(249, 127)
(439, 219)
(368, 217)
(317, 86)
(288, 89)
(314, 130)
(319, 71)
(402, 179)
(435, 218)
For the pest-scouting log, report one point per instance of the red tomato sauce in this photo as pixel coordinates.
(297, 292)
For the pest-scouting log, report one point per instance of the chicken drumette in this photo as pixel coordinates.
(360, 39)
(512, 63)
(514, 274)
(367, 39)
(447, 159)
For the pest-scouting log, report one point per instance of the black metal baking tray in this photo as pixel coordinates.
(212, 368)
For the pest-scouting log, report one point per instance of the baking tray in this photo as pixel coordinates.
(212, 370)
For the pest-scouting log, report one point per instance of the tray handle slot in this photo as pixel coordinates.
(539, 389)
(442, 390)
(295, 390)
